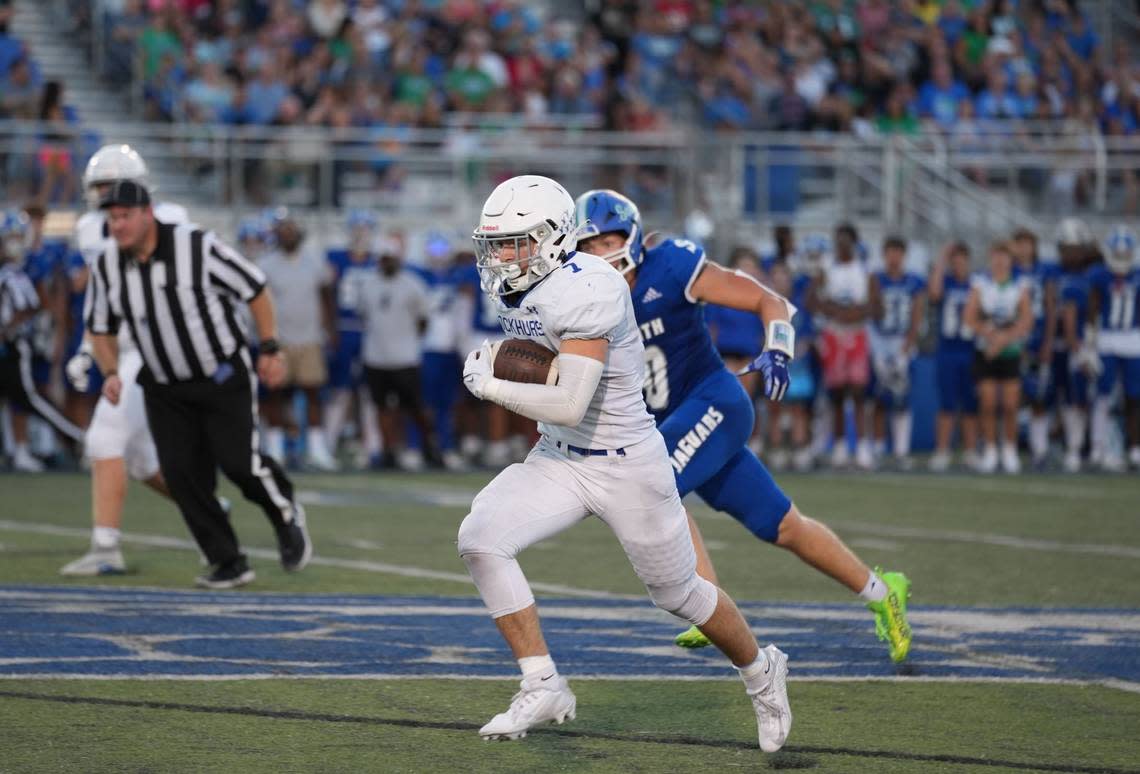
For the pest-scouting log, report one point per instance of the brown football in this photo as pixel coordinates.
(522, 360)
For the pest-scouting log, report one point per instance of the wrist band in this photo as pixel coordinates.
(781, 336)
(270, 347)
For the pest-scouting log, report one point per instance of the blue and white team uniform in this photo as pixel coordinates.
(1040, 379)
(890, 368)
(700, 407)
(1118, 334)
(1073, 290)
(440, 368)
(345, 371)
(43, 266)
(955, 354)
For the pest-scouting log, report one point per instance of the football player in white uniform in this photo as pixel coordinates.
(599, 453)
(118, 441)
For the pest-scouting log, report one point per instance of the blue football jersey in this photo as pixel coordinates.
(1119, 296)
(1073, 288)
(953, 335)
(348, 273)
(1038, 280)
(898, 294)
(679, 352)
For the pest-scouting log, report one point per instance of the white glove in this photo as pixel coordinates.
(478, 370)
(78, 370)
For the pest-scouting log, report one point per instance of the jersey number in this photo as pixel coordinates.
(1121, 309)
(896, 313)
(656, 378)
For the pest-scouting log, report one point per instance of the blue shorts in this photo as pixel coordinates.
(345, 370)
(707, 438)
(1126, 369)
(956, 390)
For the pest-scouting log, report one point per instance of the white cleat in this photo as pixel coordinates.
(320, 459)
(1010, 462)
(989, 460)
(839, 455)
(1072, 463)
(773, 713)
(453, 462)
(536, 703)
(1112, 463)
(410, 461)
(940, 462)
(1134, 457)
(97, 561)
(778, 460)
(25, 462)
(865, 456)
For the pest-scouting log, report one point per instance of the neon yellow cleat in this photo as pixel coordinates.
(890, 614)
(692, 638)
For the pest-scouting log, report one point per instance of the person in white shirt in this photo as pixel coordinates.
(301, 281)
(395, 306)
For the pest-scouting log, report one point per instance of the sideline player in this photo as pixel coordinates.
(705, 415)
(898, 307)
(599, 453)
(1037, 370)
(1114, 294)
(118, 440)
(957, 394)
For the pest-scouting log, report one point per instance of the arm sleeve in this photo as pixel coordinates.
(98, 316)
(563, 404)
(599, 308)
(231, 271)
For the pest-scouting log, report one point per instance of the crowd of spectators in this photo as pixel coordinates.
(861, 65)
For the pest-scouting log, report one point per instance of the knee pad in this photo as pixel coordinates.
(693, 599)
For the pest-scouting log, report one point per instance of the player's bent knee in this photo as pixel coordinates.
(478, 535)
(693, 599)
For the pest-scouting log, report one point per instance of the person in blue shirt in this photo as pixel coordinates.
(358, 259)
(1114, 311)
(940, 96)
(898, 307)
(1038, 368)
(957, 395)
(703, 412)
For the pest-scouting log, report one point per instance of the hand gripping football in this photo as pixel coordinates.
(522, 360)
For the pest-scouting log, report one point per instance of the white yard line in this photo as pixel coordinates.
(364, 565)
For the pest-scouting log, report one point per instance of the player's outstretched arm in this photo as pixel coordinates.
(580, 363)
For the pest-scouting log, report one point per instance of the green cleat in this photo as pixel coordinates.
(692, 638)
(890, 614)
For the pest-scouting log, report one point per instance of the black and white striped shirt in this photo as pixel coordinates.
(17, 294)
(179, 304)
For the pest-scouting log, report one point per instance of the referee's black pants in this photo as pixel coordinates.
(206, 424)
(18, 387)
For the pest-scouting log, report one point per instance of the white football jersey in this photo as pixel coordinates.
(92, 237)
(586, 298)
(846, 284)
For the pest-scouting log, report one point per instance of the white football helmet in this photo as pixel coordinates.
(1120, 250)
(1074, 232)
(526, 229)
(110, 163)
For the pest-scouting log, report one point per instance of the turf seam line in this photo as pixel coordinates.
(568, 733)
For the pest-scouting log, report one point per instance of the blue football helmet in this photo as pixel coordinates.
(1120, 249)
(602, 211)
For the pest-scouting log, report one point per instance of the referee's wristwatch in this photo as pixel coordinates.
(269, 347)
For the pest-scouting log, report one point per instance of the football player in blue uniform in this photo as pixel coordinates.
(1037, 382)
(898, 307)
(703, 412)
(357, 260)
(1114, 295)
(1076, 364)
(957, 394)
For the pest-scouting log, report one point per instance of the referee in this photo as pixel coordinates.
(175, 287)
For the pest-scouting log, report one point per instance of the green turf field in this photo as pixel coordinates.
(995, 543)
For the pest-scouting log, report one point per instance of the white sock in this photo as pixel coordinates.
(105, 538)
(1098, 433)
(315, 440)
(875, 590)
(901, 422)
(755, 675)
(537, 668)
(1039, 436)
(336, 411)
(1074, 421)
(369, 423)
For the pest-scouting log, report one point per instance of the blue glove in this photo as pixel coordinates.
(773, 365)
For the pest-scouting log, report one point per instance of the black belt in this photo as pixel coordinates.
(591, 452)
